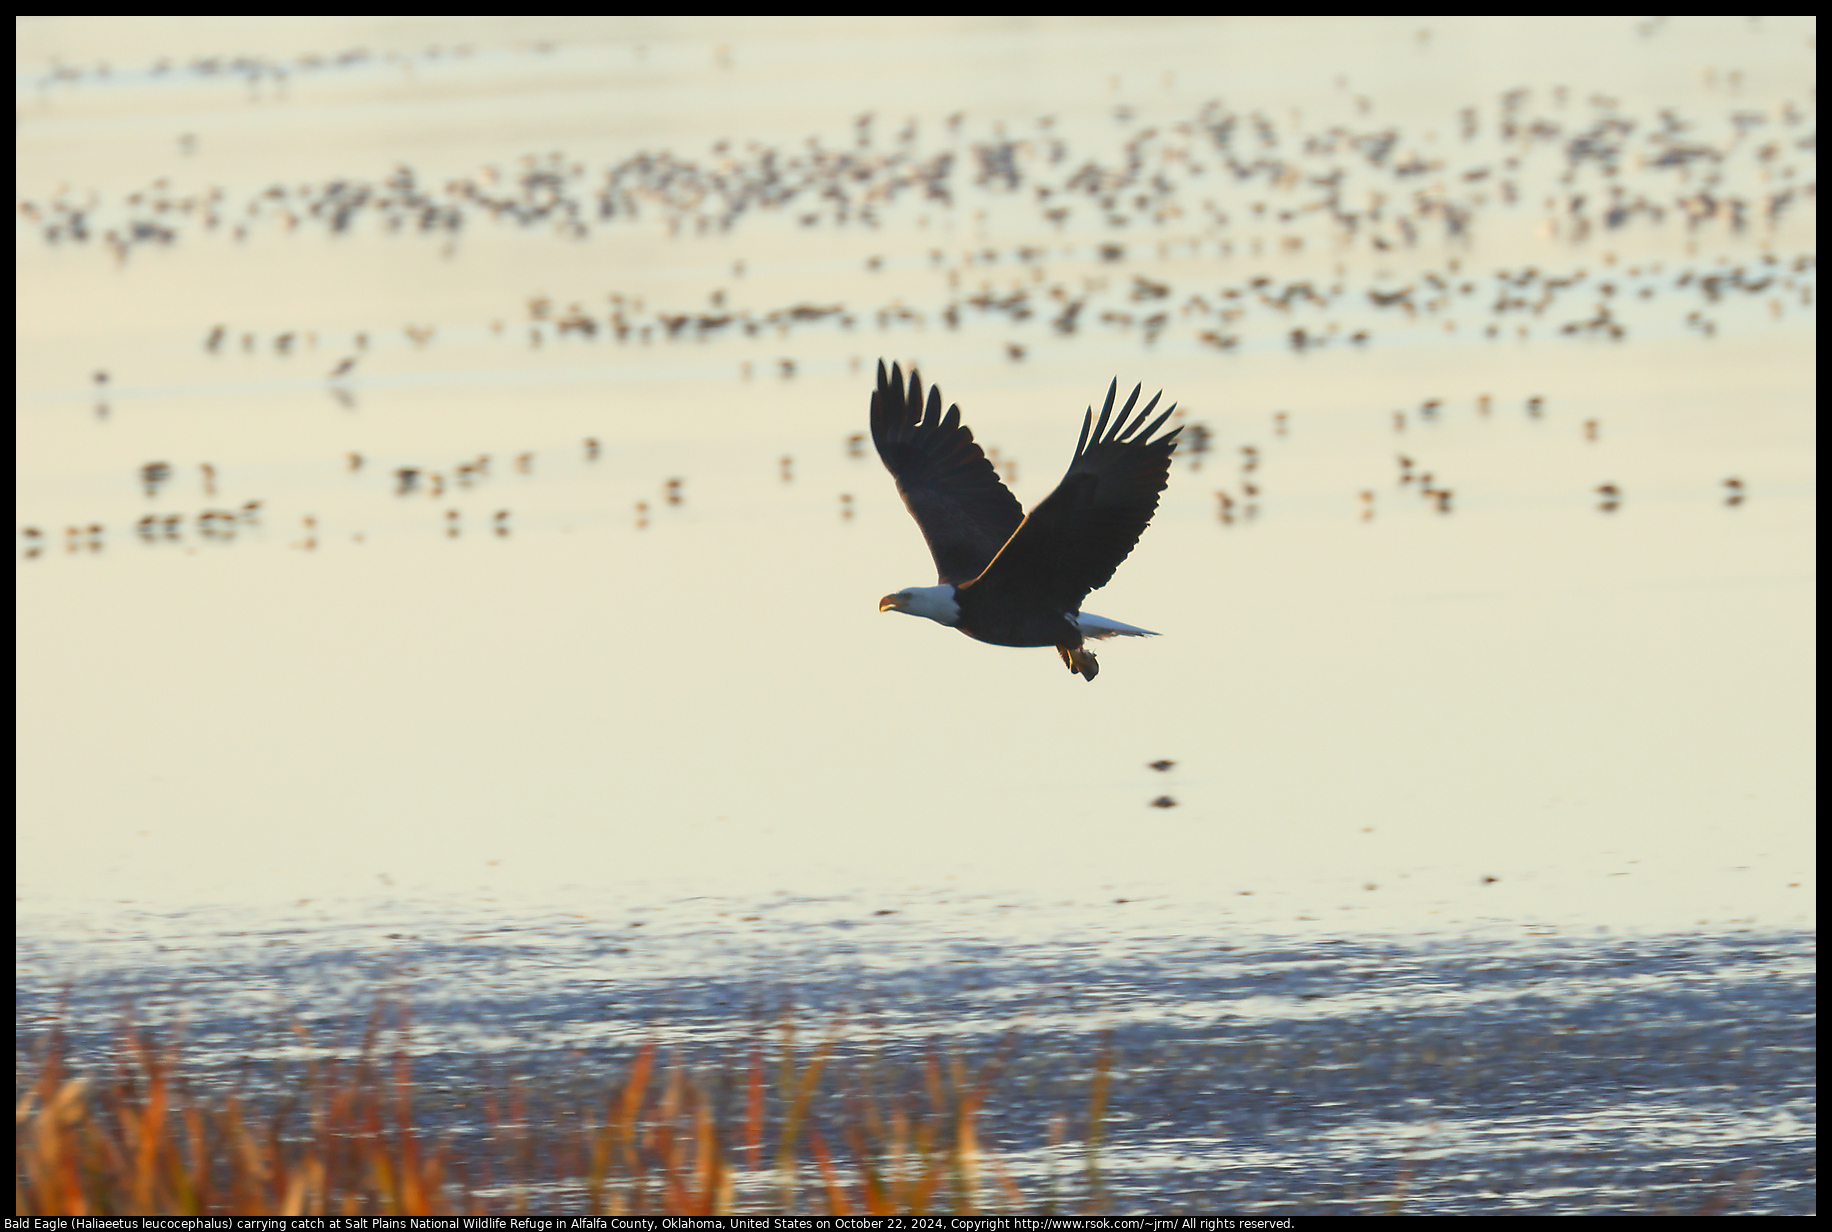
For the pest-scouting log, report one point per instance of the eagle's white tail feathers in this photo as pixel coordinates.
(1098, 627)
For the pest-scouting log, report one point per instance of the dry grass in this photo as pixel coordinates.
(342, 1139)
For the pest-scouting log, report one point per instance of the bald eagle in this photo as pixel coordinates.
(1005, 578)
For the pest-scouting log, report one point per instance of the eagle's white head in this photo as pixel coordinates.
(935, 602)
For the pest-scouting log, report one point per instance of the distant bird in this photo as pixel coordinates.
(1005, 578)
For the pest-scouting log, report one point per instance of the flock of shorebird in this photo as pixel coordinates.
(1219, 183)
(1140, 230)
(1242, 503)
(1260, 310)
(1582, 168)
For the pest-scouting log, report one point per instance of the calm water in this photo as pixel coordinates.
(437, 520)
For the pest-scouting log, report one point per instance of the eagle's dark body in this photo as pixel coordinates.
(1018, 580)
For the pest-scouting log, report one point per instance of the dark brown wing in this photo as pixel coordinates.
(1073, 541)
(950, 488)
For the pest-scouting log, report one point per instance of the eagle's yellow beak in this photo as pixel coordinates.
(891, 603)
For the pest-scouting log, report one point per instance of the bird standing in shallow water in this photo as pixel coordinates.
(1005, 578)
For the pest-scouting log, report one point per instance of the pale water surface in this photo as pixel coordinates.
(1490, 744)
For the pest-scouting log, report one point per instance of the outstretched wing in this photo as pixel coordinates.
(950, 488)
(1073, 541)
